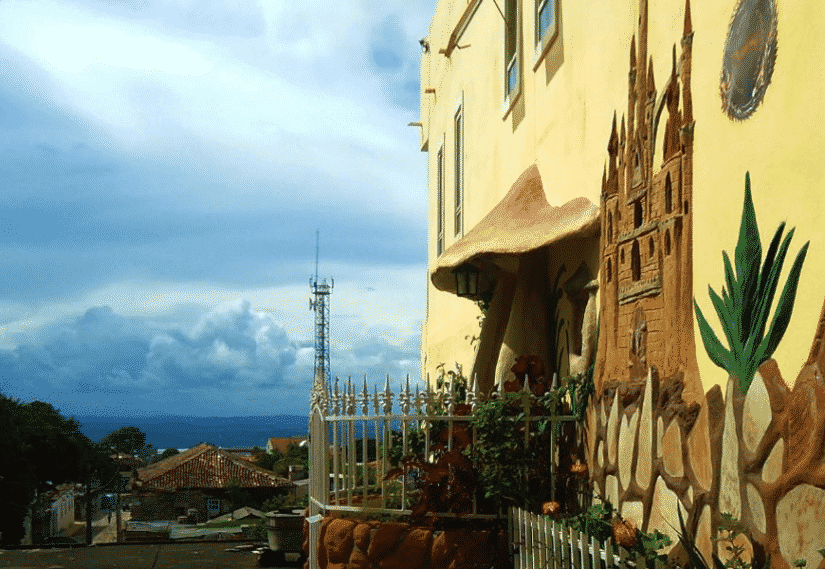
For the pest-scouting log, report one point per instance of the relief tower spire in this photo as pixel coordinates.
(646, 267)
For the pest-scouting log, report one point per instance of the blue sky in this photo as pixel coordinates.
(164, 166)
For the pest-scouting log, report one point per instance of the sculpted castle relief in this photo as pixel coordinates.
(646, 249)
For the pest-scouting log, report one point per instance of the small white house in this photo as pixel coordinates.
(62, 509)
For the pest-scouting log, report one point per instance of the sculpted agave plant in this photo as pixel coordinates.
(745, 304)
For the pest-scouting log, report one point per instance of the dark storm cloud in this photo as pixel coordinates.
(228, 353)
(202, 150)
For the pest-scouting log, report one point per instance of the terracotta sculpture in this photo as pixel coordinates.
(646, 249)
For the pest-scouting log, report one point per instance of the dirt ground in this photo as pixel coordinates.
(215, 555)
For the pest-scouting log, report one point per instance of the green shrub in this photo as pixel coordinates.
(727, 532)
(284, 502)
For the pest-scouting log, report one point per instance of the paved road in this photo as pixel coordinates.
(103, 531)
(132, 556)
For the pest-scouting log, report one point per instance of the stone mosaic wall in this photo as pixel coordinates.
(757, 456)
(354, 544)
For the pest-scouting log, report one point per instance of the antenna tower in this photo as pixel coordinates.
(321, 292)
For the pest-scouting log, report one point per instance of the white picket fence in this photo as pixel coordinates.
(539, 542)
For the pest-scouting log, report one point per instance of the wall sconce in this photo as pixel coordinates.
(466, 280)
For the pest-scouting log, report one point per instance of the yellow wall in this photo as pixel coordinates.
(562, 123)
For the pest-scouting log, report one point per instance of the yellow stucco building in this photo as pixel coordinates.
(518, 99)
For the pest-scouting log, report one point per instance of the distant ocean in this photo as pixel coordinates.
(185, 432)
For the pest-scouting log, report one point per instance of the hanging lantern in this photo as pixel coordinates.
(466, 280)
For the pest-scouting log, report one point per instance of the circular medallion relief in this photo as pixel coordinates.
(750, 51)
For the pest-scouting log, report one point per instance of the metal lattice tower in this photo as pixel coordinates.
(321, 292)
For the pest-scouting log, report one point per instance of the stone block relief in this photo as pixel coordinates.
(726, 456)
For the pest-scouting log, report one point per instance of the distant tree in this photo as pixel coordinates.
(128, 440)
(294, 455)
(279, 462)
(268, 460)
(237, 495)
(167, 453)
(39, 449)
(17, 476)
(149, 454)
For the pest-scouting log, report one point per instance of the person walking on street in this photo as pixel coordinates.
(110, 516)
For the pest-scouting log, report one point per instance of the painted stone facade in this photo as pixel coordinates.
(646, 241)
(757, 456)
(656, 442)
(354, 544)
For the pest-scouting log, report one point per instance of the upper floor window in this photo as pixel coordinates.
(440, 189)
(545, 18)
(459, 172)
(511, 72)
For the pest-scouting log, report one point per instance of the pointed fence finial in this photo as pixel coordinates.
(473, 394)
(404, 398)
(350, 397)
(387, 399)
(336, 399)
(451, 401)
(526, 395)
(365, 398)
(429, 400)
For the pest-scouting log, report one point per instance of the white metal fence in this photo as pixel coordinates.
(344, 477)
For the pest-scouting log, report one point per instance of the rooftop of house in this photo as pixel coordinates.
(282, 444)
(127, 461)
(59, 491)
(206, 466)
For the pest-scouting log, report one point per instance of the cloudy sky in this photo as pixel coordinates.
(164, 165)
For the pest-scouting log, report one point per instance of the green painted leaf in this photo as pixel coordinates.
(747, 298)
(748, 257)
(767, 284)
(755, 348)
(718, 354)
(770, 256)
(689, 543)
(735, 294)
(784, 308)
(724, 314)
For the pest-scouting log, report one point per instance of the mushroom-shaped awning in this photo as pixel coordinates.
(521, 222)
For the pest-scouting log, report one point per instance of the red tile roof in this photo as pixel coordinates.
(127, 461)
(206, 466)
(283, 443)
